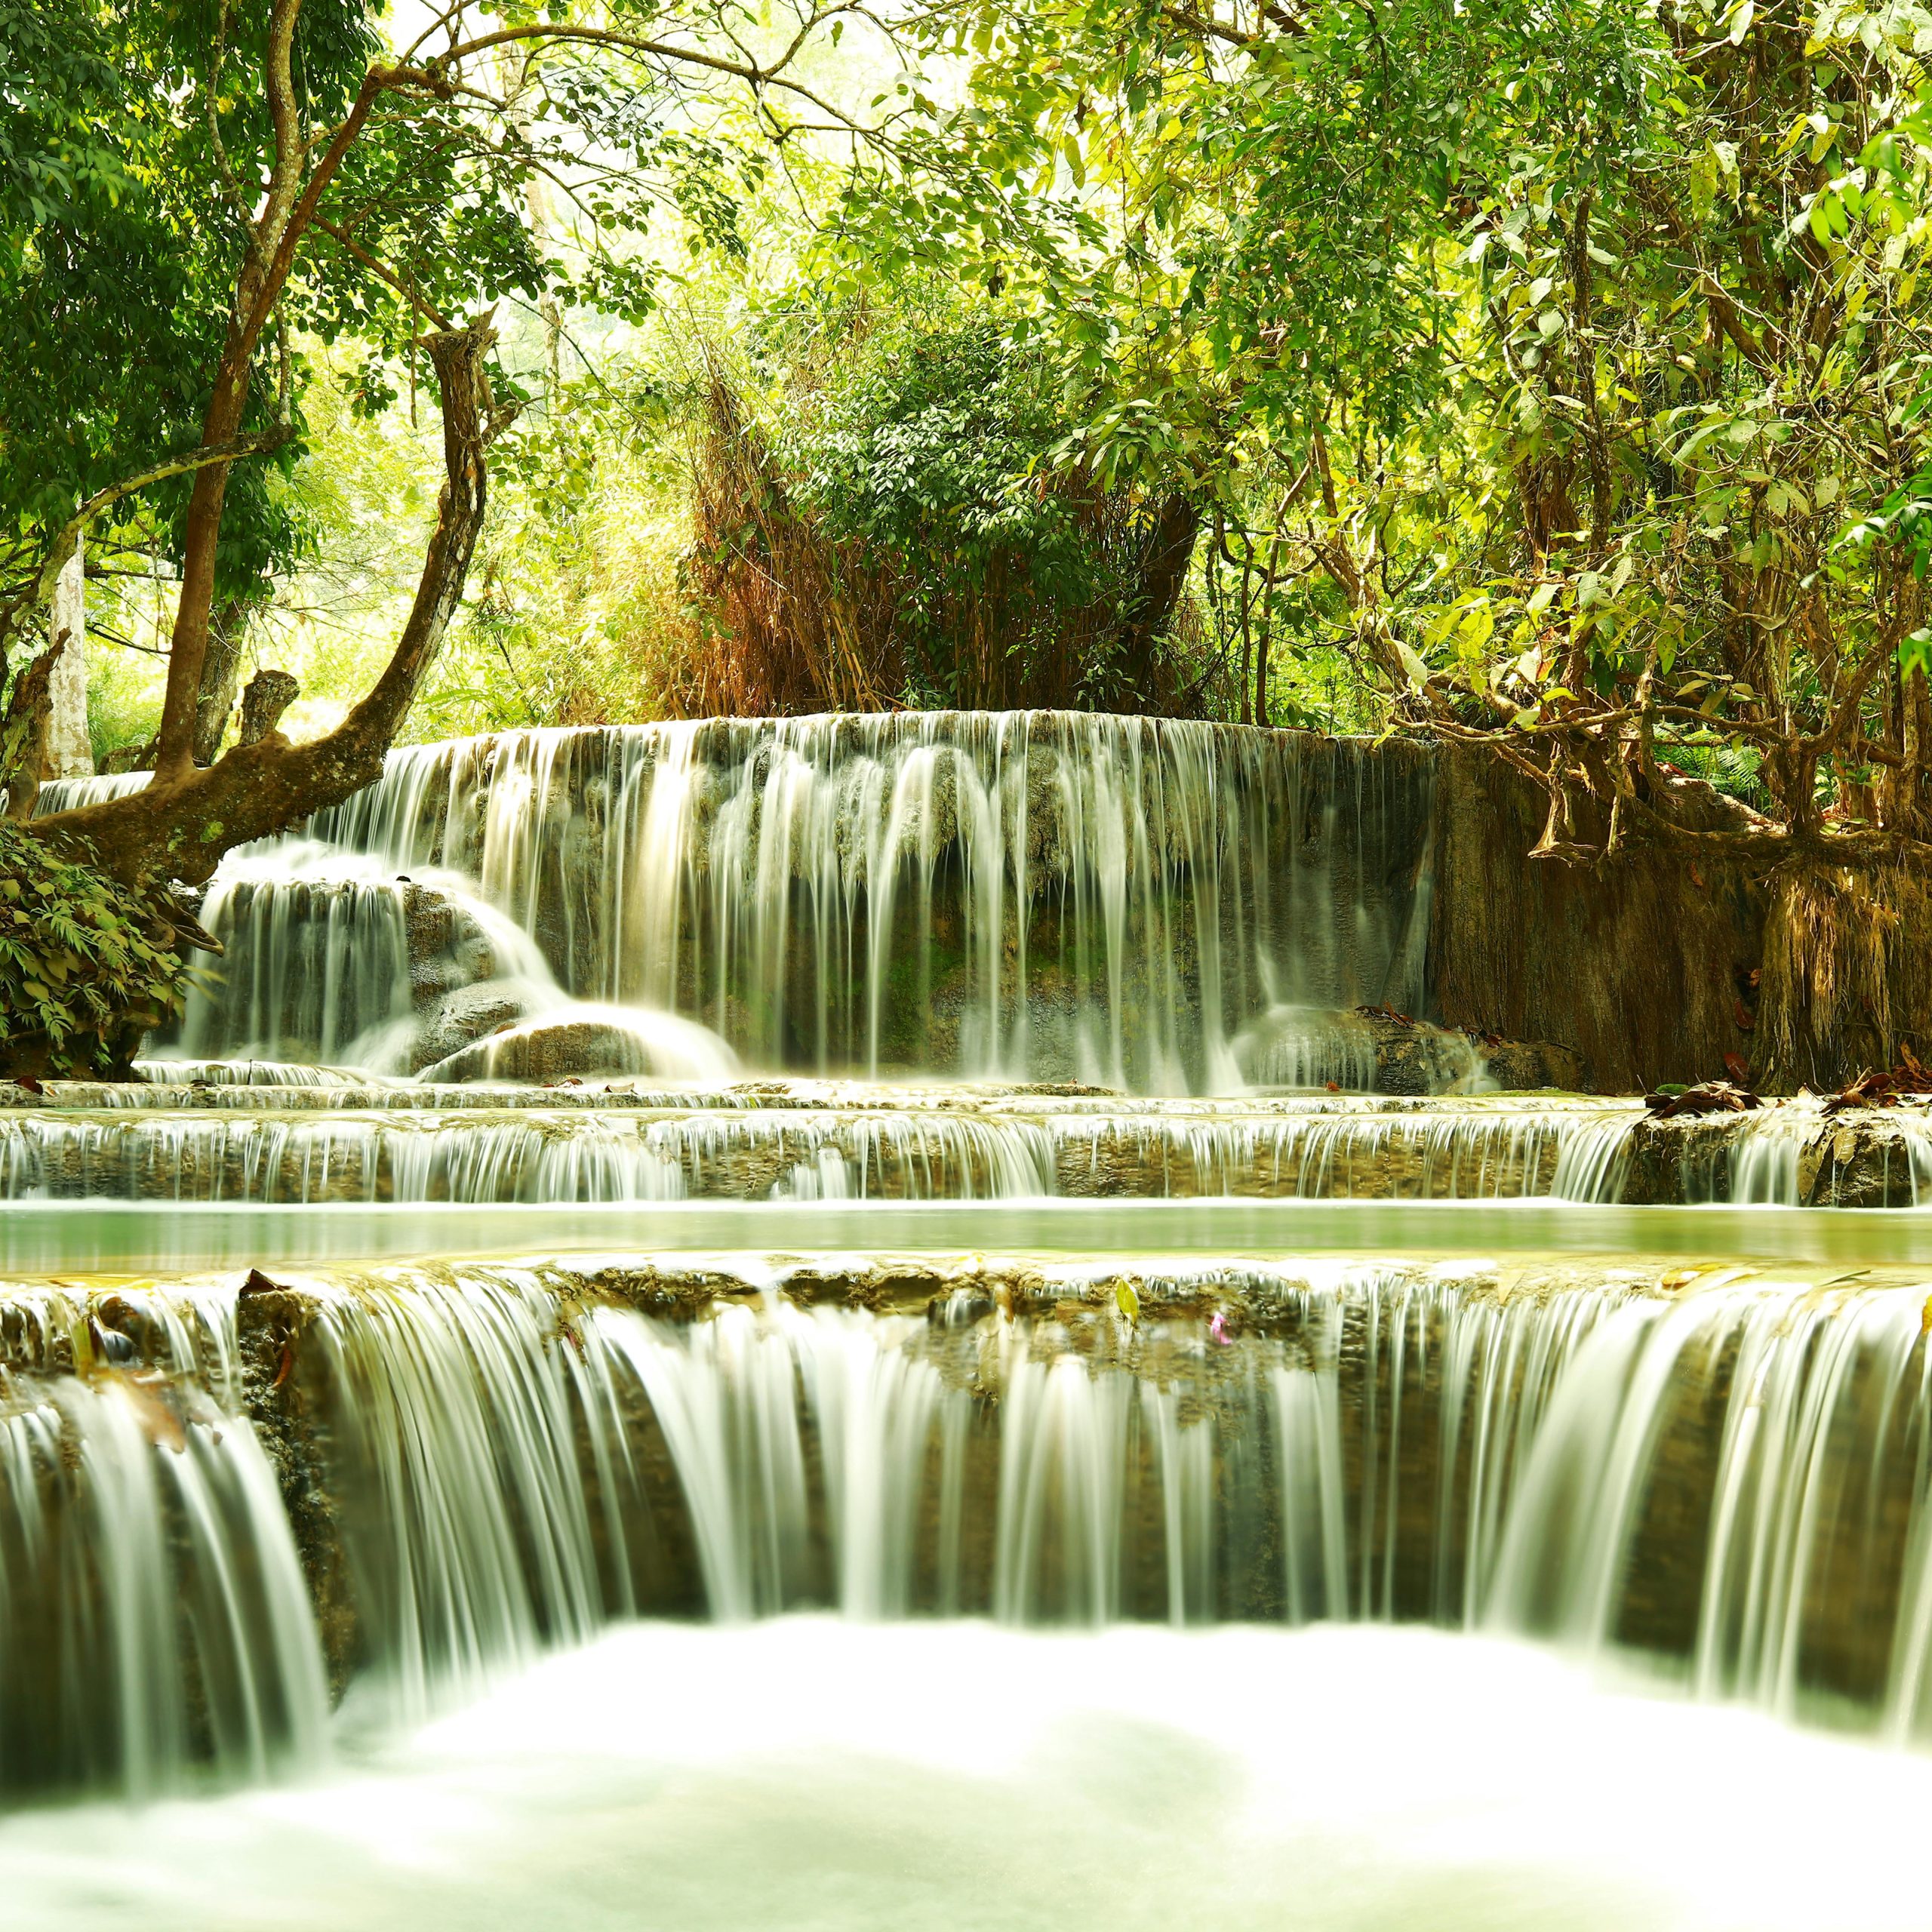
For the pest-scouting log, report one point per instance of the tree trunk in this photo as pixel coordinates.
(23, 737)
(221, 672)
(269, 695)
(67, 752)
(1164, 567)
(180, 825)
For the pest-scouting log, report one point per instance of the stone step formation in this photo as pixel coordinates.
(805, 1141)
(945, 1166)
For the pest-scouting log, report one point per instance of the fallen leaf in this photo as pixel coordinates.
(1710, 1096)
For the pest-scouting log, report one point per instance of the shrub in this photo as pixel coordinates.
(893, 525)
(87, 966)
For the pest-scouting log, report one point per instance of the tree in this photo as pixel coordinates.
(1561, 366)
(110, 279)
(384, 197)
(878, 529)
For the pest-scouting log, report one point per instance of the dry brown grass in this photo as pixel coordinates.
(791, 621)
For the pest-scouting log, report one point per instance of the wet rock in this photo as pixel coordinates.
(1375, 1049)
(290, 1392)
(447, 948)
(1413, 1057)
(1787, 1152)
(1519, 1066)
(459, 1017)
(1869, 1159)
(569, 1049)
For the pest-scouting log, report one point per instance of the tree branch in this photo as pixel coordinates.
(347, 241)
(181, 830)
(71, 532)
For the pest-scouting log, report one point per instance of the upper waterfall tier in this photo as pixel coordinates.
(1043, 895)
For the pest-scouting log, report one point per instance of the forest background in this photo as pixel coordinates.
(1551, 378)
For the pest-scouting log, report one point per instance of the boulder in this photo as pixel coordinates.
(463, 1015)
(447, 948)
(1374, 1049)
(579, 1044)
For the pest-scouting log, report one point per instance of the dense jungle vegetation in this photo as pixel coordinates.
(1551, 377)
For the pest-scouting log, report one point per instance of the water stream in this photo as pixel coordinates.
(1720, 1470)
(879, 1321)
(1023, 895)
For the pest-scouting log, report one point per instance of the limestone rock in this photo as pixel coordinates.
(464, 1014)
(447, 948)
(583, 1044)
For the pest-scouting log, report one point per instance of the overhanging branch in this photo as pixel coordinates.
(71, 532)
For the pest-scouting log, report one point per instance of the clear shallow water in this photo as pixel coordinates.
(822, 1776)
(42, 1237)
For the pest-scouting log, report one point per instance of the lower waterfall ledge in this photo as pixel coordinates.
(1717, 1468)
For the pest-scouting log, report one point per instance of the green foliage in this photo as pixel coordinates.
(123, 710)
(118, 255)
(880, 519)
(576, 616)
(512, 161)
(1556, 375)
(1560, 369)
(926, 442)
(86, 966)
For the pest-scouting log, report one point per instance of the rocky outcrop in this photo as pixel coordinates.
(1791, 1154)
(1413, 1057)
(1643, 968)
(580, 1044)
(288, 1389)
(447, 946)
(457, 1019)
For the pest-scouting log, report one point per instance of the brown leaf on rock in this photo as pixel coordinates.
(1873, 1089)
(1711, 1096)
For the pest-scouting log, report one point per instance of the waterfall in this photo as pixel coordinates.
(549, 1154)
(1041, 895)
(1393, 1442)
(406, 1482)
(315, 962)
(408, 1143)
(155, 1629)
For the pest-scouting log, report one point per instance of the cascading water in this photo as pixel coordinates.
(225, 1507)
(1020, 895)
(477, 1464)
(410, 1144)
(154, 1626)
(1398, 1442)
